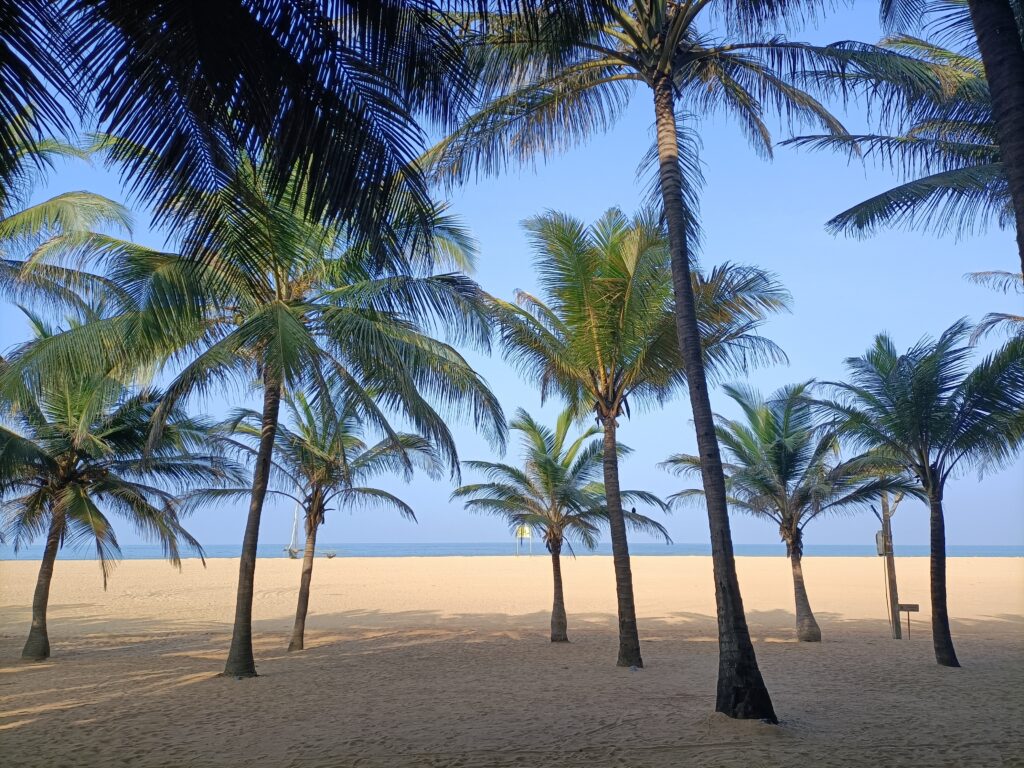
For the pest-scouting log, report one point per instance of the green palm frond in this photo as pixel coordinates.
(929, 410)
(556, 490)
(602, 334)
(783, 464)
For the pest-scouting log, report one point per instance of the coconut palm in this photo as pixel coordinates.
(288, 301)
(78, 452)
(782, 467)
(602, 336)
(935, 113)
(928, 410)
(553, 82)
(323, 462)
(555, 492)
(993, 29)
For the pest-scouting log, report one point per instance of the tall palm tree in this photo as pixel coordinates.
(782, 467)
(603, 337)
(289, 301)
(928, 410)
(78, 451)
(994, 29)
(556, 492)
(935, 114)
(322, 461)
(553, 82)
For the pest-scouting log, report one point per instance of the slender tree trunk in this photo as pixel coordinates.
(741, 689)
(890, 569)
(1003, 56)
(942, 640)
(807, 629)
(629, 636)
(559, 622)
(240, 661)
(299, 630)
(37, 646)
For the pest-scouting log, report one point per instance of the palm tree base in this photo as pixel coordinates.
(37, 647)
(295, 646)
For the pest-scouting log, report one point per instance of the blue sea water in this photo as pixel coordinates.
(148, 552)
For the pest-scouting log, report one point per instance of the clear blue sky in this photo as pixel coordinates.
(770, 214)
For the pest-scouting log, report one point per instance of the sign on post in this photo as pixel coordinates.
(909, 608)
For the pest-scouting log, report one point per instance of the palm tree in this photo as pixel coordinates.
(994, 29)
(555, 492)
(322, 460)
(782, 467)
(552, 82)
(935, 112)
(289, 301)
(603, 337)
(928, 410)
(79, 451)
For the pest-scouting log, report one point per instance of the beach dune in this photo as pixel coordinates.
(445, 662)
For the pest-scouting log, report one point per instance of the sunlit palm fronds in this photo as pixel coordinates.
(557, 490)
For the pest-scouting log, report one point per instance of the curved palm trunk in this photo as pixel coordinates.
(629, 636)
(1003, 56)
(942, 640)
(299, 630)
(807, 629)
(741, 689)
(37, 646)
(240, 661)
(559, 622)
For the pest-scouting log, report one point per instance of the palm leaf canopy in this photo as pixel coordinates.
(602, 333)
(936, 129)
(928, 409)
(292, 301)
(783, 465)
(557, 490)
(75, 453)
(322, 459)
(547, 85)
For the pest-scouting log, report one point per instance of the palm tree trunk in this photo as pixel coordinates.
(1003, 56)
(37, 646)
(890, 570)
(807, 629)
(942, 640)
(741, 689)
(559, 622)
(240, 661)
(299, 630)
(629, 636)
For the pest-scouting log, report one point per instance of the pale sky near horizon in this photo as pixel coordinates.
(770, 214)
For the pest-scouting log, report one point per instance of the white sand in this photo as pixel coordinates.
(445, 662)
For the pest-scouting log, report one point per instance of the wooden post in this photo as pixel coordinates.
(890, 568)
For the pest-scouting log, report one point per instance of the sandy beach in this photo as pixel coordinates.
(446, 662)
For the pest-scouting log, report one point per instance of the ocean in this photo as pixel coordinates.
(153, 552)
